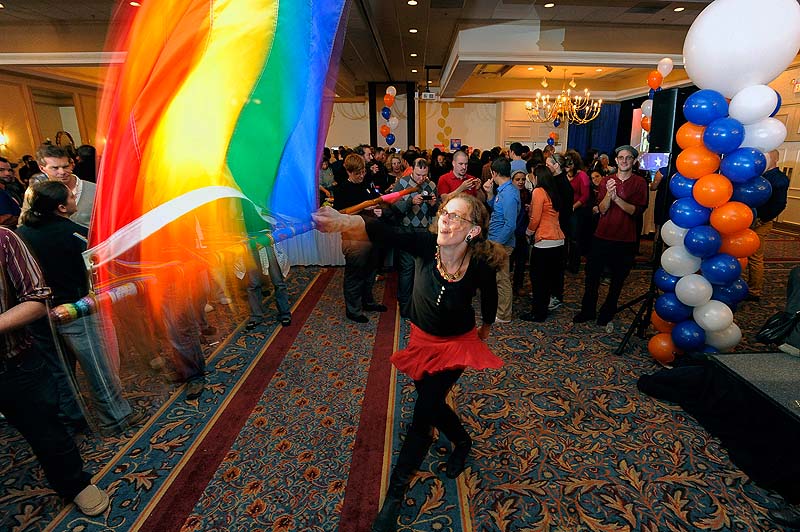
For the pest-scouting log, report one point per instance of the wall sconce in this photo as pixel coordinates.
(3, 140)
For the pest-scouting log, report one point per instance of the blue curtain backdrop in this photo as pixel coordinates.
(600, 133)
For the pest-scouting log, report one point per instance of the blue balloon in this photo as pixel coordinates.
(551, 141)
(386, 113)
(689, 336)
(777, 107)
(710, 349)
(753, 193)
(557, 122)
(687, 213)
(723, 135)
(651, 94)
(665, 281)
(669, 308)
(721, 269)
(743, 164)
(731, 294)
(705, 106)
(702, 241)
(390, 139)
(680, 186)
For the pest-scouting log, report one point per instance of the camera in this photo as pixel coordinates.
(426, 194)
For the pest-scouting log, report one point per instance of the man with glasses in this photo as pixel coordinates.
(416, 211)
(621, 197)
(505, 205)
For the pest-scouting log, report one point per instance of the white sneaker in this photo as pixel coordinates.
(91, 500)
(209, 307)
(554, 303)
(498, 320)
(789, 349)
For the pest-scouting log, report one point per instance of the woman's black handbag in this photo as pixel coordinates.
(777, 328)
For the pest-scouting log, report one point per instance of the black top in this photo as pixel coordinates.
(567, 195)
(777, 201)
(346, 194)
(440, 307)
(58, 250)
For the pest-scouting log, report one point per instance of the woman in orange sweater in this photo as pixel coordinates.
(547, 254)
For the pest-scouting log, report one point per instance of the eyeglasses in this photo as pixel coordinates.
(625, 157)
(449, 217)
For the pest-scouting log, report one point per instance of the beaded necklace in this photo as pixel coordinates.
(449, 277)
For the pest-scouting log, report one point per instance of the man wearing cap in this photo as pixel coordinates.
(621, 197)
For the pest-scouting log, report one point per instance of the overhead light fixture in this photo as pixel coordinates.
(412, 30)
(544, 82)
(530, 68)
(3, 137)
(2, 6)
(598, 70)
(572, 83)
(550, 4)
(412, 2)
(413, 55)
(578, 109)
(678, 9)
(135, 4)
(413, 70)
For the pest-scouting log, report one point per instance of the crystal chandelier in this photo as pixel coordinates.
(577, 109)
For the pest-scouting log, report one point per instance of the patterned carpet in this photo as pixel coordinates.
(290, 435)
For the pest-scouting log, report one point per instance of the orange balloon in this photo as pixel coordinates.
(712, 190)
(660, 324)
(741, 244)
(385, 130)
(552, 135)
(690, 135)
(731, 218)
(654, 79)
(646, 123)
(743, 262)
(388, 100)
(662, 348)
(696, 161)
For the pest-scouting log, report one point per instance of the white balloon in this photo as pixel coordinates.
(765, 135)
(752, 104)
(391, 90)
(664, 67)
(734, 44)
(393, 122)
(647, 108)
(694, 290)
(724, 339)
(677, 261)
(714, 316)
(673, 234)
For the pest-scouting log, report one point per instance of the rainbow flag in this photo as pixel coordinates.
(215, 100)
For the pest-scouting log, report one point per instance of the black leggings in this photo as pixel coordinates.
(431, 409)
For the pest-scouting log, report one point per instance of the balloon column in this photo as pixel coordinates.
(719, 181)
(654, 80)
(391, 121)
(552, 138)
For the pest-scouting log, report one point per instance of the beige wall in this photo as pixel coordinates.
(474, 123)
(789, 159)
(24, 127)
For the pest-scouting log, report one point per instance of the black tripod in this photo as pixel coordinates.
(642, 319)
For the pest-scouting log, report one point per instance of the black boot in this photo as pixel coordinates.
(788, 516)
(456, 463)
(412, 453)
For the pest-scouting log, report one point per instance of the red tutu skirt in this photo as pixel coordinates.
(426, 354)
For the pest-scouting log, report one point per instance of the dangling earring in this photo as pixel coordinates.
(468, 238)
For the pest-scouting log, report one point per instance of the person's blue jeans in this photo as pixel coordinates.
(254, 295)
(29, 401)
(182, 321)
(93, 342)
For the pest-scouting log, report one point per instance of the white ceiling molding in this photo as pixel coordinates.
(62, 58)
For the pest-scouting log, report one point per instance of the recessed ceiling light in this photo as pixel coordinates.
(414, 70)
(599, 70)
(412, 30)
(530, 68)
(2, 6)
(413, 55)
(678, 9)
(412, 2)
(550, 4)
(135, 4)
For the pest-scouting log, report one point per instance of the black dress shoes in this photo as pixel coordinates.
(358, 318)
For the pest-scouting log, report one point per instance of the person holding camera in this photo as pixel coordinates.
(416, 211)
